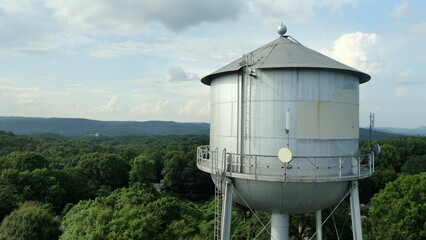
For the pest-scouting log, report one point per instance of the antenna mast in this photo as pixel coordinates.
(371, 127)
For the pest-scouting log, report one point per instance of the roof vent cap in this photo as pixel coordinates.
(281, 30)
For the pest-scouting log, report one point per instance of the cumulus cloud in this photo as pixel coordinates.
(151, 108)
(402, 10)
(406, 73)
(18, 7)
(129, 16)
(293, 10)
(115, 49)
(178, 74)
(357, 50)
(21, 95)
(419, 30)
(111, 106)
(195, 107)
(401, 92)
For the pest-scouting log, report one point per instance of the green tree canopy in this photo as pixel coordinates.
(143, 170)
(137, 212)
(104, 170)
(397, 211)
(22, 161)
(32, 221)
(415, 164)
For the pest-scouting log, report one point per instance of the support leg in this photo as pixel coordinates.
(279, 226)
(226, 211)
(319, 223)
(355, 212)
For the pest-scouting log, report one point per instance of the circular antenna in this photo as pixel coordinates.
(282, 29)
(376, 149)
(285, 155)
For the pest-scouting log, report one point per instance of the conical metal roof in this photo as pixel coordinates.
(286, 53)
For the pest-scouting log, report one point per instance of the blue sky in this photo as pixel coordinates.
(143, 60)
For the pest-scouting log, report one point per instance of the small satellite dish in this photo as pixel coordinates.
(285, 155)
(376, 149)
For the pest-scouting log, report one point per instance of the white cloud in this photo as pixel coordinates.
(115, 49)
(406, 73)
(20, 95)
(293, 10)
(419, 30)
(402, 10)
(88, 90)
(195, 107)
(5, 80)
(133, 16)
(401, 92)
(18, 7)
(111, 106)
(357, 50)
(178, 74)
(152, 109)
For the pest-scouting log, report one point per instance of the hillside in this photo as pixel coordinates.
(420, 131)
(77, 127)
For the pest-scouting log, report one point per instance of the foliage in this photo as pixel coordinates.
(414, 165)
(104, 170)
(397, 211)
(32, 221)
(22, 161)
(37, 185)
(143, 170)
(180, 174)
(67, 174)
(397, 155)
(132, 213)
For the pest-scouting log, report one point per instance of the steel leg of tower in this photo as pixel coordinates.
(355, 212)
(226, 211)
(279, 226)
(319, 224)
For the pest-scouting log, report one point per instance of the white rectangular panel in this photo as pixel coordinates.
(327, 120)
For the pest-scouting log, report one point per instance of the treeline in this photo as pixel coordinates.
(100, 188)
(57, 177)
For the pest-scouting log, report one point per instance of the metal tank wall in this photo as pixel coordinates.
(224, 112)
(324, 109)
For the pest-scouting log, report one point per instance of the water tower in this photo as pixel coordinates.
(284, 134)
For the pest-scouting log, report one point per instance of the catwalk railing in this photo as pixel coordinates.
(299, 169)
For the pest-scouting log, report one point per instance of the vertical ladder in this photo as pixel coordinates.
(217, 197)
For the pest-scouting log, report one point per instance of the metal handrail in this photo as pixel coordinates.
(249, 166)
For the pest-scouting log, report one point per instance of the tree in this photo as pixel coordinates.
(38, 185)
(22, 161)
(415, 164)
(138, 212)
(104, 170)
(397, 212)
(389, 157)
(32, 221)
(174, 166)
(181, 175)
(143, 170)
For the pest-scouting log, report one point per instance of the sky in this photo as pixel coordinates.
(141, 60)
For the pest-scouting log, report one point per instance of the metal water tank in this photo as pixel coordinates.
(285, 95)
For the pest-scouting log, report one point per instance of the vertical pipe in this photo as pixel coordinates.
(279, 226)
(355, 212)
(226, 211)
(319, 224)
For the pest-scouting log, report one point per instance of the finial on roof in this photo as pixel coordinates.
(282, 29)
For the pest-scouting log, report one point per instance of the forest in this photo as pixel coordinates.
(101, 188)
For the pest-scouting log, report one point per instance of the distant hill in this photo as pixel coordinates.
(421, 131)
(78, 127)
(364, 134)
